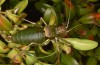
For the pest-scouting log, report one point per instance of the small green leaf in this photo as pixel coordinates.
(68, 60)
(87, 19)
(42, 6)
(13, 54)
(69, 9)
(3, 47)
(90, 53)
(50, 16)
(97, 53)
(21, 6)
(99, 10)
(85, 10)
(38, 63)
(5, 24)
(15, 18)
(30, 58)
(91, 61)
(13, 3)
(2, 1)
(82, 44)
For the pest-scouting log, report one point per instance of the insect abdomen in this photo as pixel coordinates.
(25, 37)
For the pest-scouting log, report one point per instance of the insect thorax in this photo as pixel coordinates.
(53, 31)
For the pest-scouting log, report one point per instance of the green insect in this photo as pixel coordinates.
(39, 35)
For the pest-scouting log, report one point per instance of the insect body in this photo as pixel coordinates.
(37, 34)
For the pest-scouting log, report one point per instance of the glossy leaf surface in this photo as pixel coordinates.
(21, 6)
(5, 24)
(91, 61)
(3, 47)
(68, 60)
(82, 44)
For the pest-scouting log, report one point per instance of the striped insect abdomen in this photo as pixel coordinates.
(25, 37)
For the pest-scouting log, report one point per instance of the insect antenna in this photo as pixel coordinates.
(29, 21)
(69, 14)
(41, 20)
(68, 20)
(73, 28)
